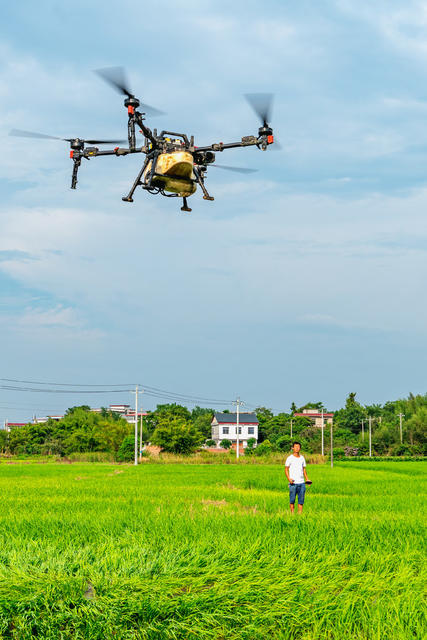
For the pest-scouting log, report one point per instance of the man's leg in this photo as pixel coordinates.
(292, 495)
(301, 496)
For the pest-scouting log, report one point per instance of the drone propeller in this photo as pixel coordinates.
(32, 134)
(235, 169)
(261, 103)
(116, 77)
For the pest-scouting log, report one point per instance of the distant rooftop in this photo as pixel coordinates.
(231, 418)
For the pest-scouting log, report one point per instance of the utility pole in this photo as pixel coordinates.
(332, 444)
(363, 429)
(140, 432)
(370, 436)
(136, 424)
(401, 415)
(136, 392)
(238, 404)
(291, 428)
(323, 435)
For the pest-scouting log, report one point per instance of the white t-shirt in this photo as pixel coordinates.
(296, 466)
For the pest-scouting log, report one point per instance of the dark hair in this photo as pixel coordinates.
(296, 442)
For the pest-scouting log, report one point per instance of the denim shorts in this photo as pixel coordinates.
(297, 490)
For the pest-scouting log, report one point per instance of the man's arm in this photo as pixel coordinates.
(305, 474)
(287, 475)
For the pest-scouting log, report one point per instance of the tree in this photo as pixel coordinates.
(225, 444)
(317, 406)
(109, 433)
(164, 412)
(177, 435)
(351, 416)
(275, 427)
(202, 422)
(263, 414)
(3, 440)
(416, 427)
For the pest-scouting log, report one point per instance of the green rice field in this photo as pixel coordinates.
(191, 552)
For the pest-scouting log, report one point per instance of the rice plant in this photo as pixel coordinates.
(191, 552)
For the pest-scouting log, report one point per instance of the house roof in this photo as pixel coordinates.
(314, 414)
(231, 418)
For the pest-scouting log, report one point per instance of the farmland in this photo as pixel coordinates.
(210, 551)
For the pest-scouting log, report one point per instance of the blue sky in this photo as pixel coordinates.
(301, 282)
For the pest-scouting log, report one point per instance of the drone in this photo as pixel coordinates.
(173, 166)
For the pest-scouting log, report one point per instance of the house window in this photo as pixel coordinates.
(225, 431)
(240, 431)
(251, 431)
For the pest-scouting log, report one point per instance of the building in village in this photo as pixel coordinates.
(123, 410)
(224, 427)
(316, 417)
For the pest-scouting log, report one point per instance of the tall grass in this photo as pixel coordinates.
(229, 457)
(210, 551)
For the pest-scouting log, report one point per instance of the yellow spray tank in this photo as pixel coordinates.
(176, 173)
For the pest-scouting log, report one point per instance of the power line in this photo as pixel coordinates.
(66, 384)
(154, 392)
(79, 391)
(103, 388)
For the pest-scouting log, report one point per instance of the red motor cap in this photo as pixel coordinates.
(270, 139)
(71, 153)
(131, 110)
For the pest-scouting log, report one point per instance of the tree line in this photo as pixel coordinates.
(176, 429)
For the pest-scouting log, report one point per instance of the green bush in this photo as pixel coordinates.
(339, 453)
(126, 452)
(284, 443)
(265, 448)
(210, 443)
(225, 444)
(250, 447)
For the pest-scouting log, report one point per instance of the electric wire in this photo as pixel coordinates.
(92, 389)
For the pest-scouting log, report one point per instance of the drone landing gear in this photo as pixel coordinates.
(185, 206)
(199, 179)
(136, 183)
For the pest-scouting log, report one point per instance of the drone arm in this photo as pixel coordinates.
(265, 137)
(246, 141)
(92, 152)
(145, 130)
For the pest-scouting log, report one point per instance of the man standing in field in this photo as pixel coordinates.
(295, 469)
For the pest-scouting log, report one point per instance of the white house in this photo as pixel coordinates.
(224, 427)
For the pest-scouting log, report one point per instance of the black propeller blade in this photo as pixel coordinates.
(236, 169)
(116, 77)
(261, 103)
(32, 134)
